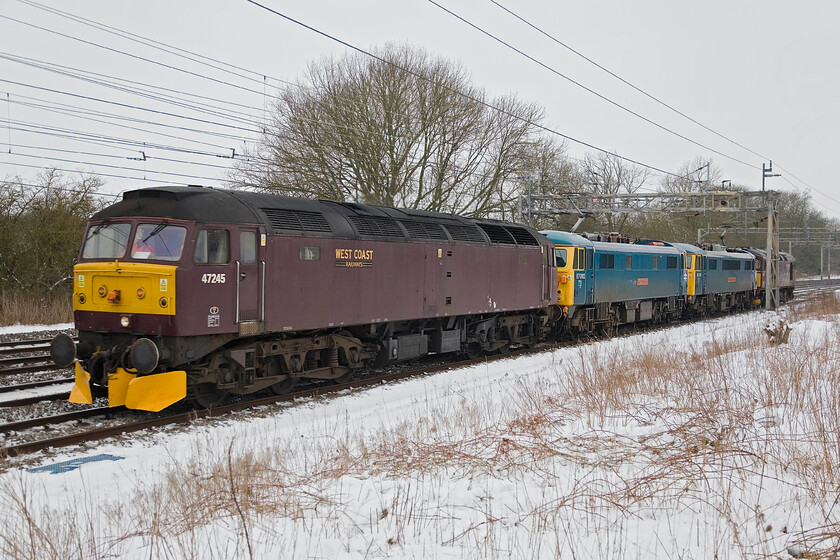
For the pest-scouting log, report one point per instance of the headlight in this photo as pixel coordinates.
(125, 321)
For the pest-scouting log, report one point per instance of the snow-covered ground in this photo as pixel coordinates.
(702, 441)
(18, 329)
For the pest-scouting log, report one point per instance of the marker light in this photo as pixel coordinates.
(103, 291)
(141, 293)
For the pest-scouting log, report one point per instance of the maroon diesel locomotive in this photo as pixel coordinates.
(193, 292)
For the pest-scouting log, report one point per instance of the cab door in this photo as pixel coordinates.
(584, 276)
(249, 280)
(690, 262)
(699, 276)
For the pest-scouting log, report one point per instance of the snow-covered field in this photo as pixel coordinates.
(702, 441)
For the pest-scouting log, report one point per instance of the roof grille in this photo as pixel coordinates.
(465, 233)
(522, 236)
(424, 230)
(497, 234)
(296, 220)
(376, 226)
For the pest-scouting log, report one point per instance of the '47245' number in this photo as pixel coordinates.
(212, 278)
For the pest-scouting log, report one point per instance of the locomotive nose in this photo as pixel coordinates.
(63, 350)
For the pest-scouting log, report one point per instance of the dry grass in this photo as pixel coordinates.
(724, 447)
(35, 309)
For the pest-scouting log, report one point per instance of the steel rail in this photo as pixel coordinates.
(35, 384)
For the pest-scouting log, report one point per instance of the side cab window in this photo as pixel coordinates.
(248, 247)
(212, 247)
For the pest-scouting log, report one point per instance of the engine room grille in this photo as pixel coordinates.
(522, 236)
(498, 234)
(296, 220)
(465, 233)
(376, 226)
(424, 230)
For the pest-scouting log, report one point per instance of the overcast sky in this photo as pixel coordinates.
(758, 77)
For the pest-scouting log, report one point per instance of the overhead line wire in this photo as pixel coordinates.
(375, 132)
(586, 88)
(480, 101)
(87, 114)
(622, 80)
(82, 136)
(112, 175)
(110, 166)
(113, 156)
(137, 57)
(117, 83)
(155, 44)
(650, 96)
(127, 106)
(171, 100)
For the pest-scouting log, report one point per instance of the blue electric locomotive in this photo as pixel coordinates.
(717, 280)
(602, 284)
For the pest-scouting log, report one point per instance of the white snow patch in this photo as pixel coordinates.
(709, 450)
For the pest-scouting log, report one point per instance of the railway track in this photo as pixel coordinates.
(117, 427)
(15, 450)
(11, 346)
(26, 356)
(806, 288)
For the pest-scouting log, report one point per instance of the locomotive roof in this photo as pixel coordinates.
(286, 215)
(762, 254)
(568, 238)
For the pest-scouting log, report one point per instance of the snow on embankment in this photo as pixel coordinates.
(699, 441)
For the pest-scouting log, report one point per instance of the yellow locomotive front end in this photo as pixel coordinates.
(564, 258)
(124, 288)
(121, 302)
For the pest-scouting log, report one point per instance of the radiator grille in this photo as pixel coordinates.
(296, 220)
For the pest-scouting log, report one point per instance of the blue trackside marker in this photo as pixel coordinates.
(73, 464)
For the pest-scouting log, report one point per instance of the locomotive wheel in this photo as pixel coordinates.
(284, 387)
(506, 348)
(346, 378)
(207, 395)
(474, 351)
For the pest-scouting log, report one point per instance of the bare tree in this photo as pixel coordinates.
(547, 172)
(402, 129)
(41, 229)
(609, 174)
(696, 175)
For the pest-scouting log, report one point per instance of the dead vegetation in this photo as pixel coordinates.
(33, 308)
(724, 445)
